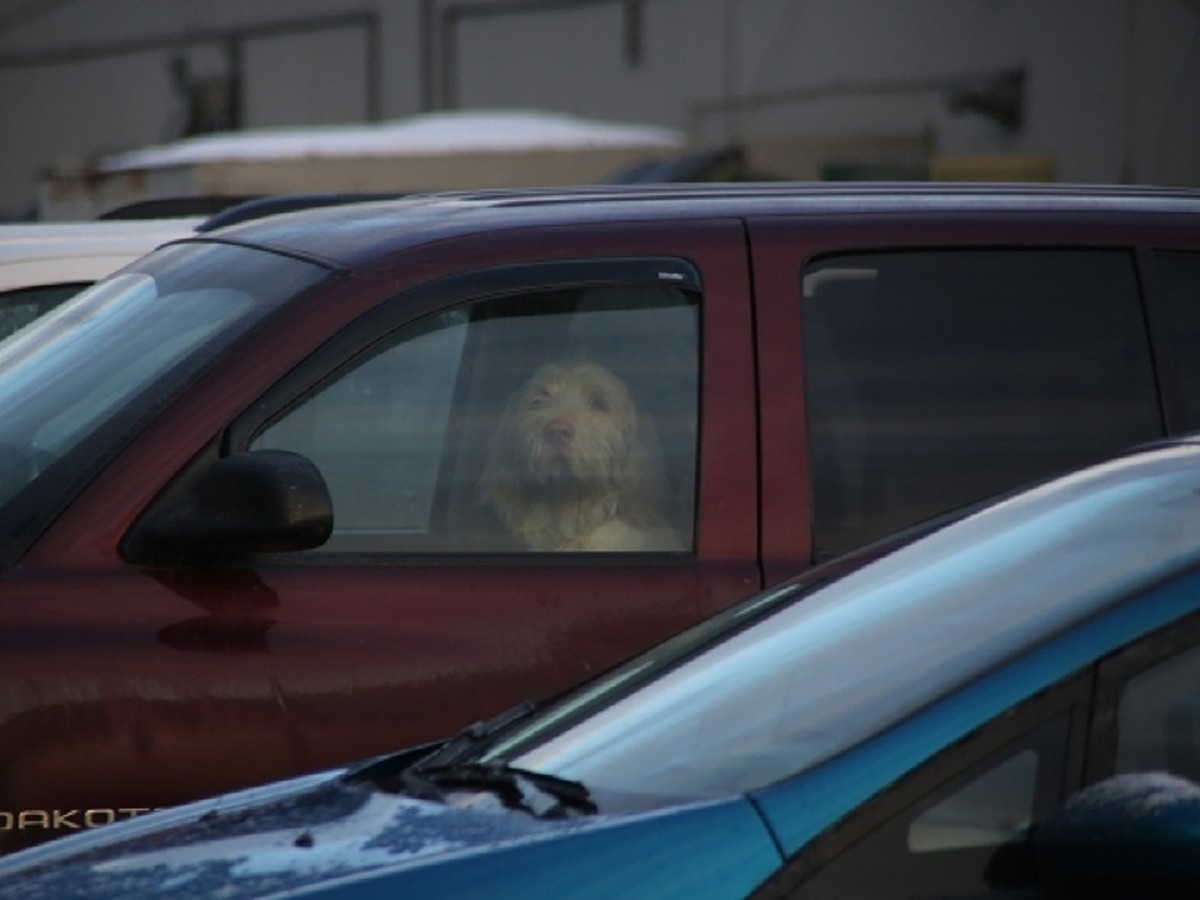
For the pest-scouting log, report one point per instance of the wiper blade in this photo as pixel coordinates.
(387, 773)
(473, 738)
(540, 795)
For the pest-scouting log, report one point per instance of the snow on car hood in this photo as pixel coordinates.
(280, 838)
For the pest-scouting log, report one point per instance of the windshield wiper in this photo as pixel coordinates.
(541, 796)
(452, 767)
(473, 738)
(386, 772)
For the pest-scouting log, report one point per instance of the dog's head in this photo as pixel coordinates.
(572, 430)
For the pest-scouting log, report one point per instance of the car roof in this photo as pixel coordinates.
(350, 234)
(39, 253)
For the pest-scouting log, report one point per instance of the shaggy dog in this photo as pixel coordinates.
(574, 466)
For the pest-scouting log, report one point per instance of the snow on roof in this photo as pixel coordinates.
(429, 133)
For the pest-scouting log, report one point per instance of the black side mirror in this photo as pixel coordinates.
(1130, 836)
(261, 501)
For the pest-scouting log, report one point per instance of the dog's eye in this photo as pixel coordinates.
(537, 397)
(598, 402)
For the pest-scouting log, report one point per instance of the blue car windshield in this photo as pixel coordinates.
(75, 381)
(731, 709)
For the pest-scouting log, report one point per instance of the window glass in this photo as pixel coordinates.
(942, 845)
(1180, 276)
(987, 812)
(20, 307)
(937, 378)
(1158, 724)
(557, 420)
(63, 386)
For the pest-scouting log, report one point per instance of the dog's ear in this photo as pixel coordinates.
(642, 479)
(499, 485)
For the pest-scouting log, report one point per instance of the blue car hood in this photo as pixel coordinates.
(265, 840)
(326, 836)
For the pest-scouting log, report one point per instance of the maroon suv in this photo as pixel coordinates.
(325, 484)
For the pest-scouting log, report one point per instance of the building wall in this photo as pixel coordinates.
(1111, 88)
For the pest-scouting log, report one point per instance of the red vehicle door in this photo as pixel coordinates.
(131, 683)
(942, 359)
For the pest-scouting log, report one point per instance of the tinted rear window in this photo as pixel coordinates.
(937, 378)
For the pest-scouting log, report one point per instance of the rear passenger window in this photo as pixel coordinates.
(943, 844)
(937, 378)
(1159, 719)
(542, 421)
(1180, 276)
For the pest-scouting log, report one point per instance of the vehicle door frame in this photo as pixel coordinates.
(781, 248)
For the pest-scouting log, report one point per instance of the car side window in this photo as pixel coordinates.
(541, 421)
(1158, 718)
(1179, 274)
(941, 845)
(987, 811)
(936, 378)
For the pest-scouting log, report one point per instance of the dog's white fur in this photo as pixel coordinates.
(574, 466)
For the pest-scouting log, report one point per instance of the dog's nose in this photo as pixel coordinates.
(559, 432)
